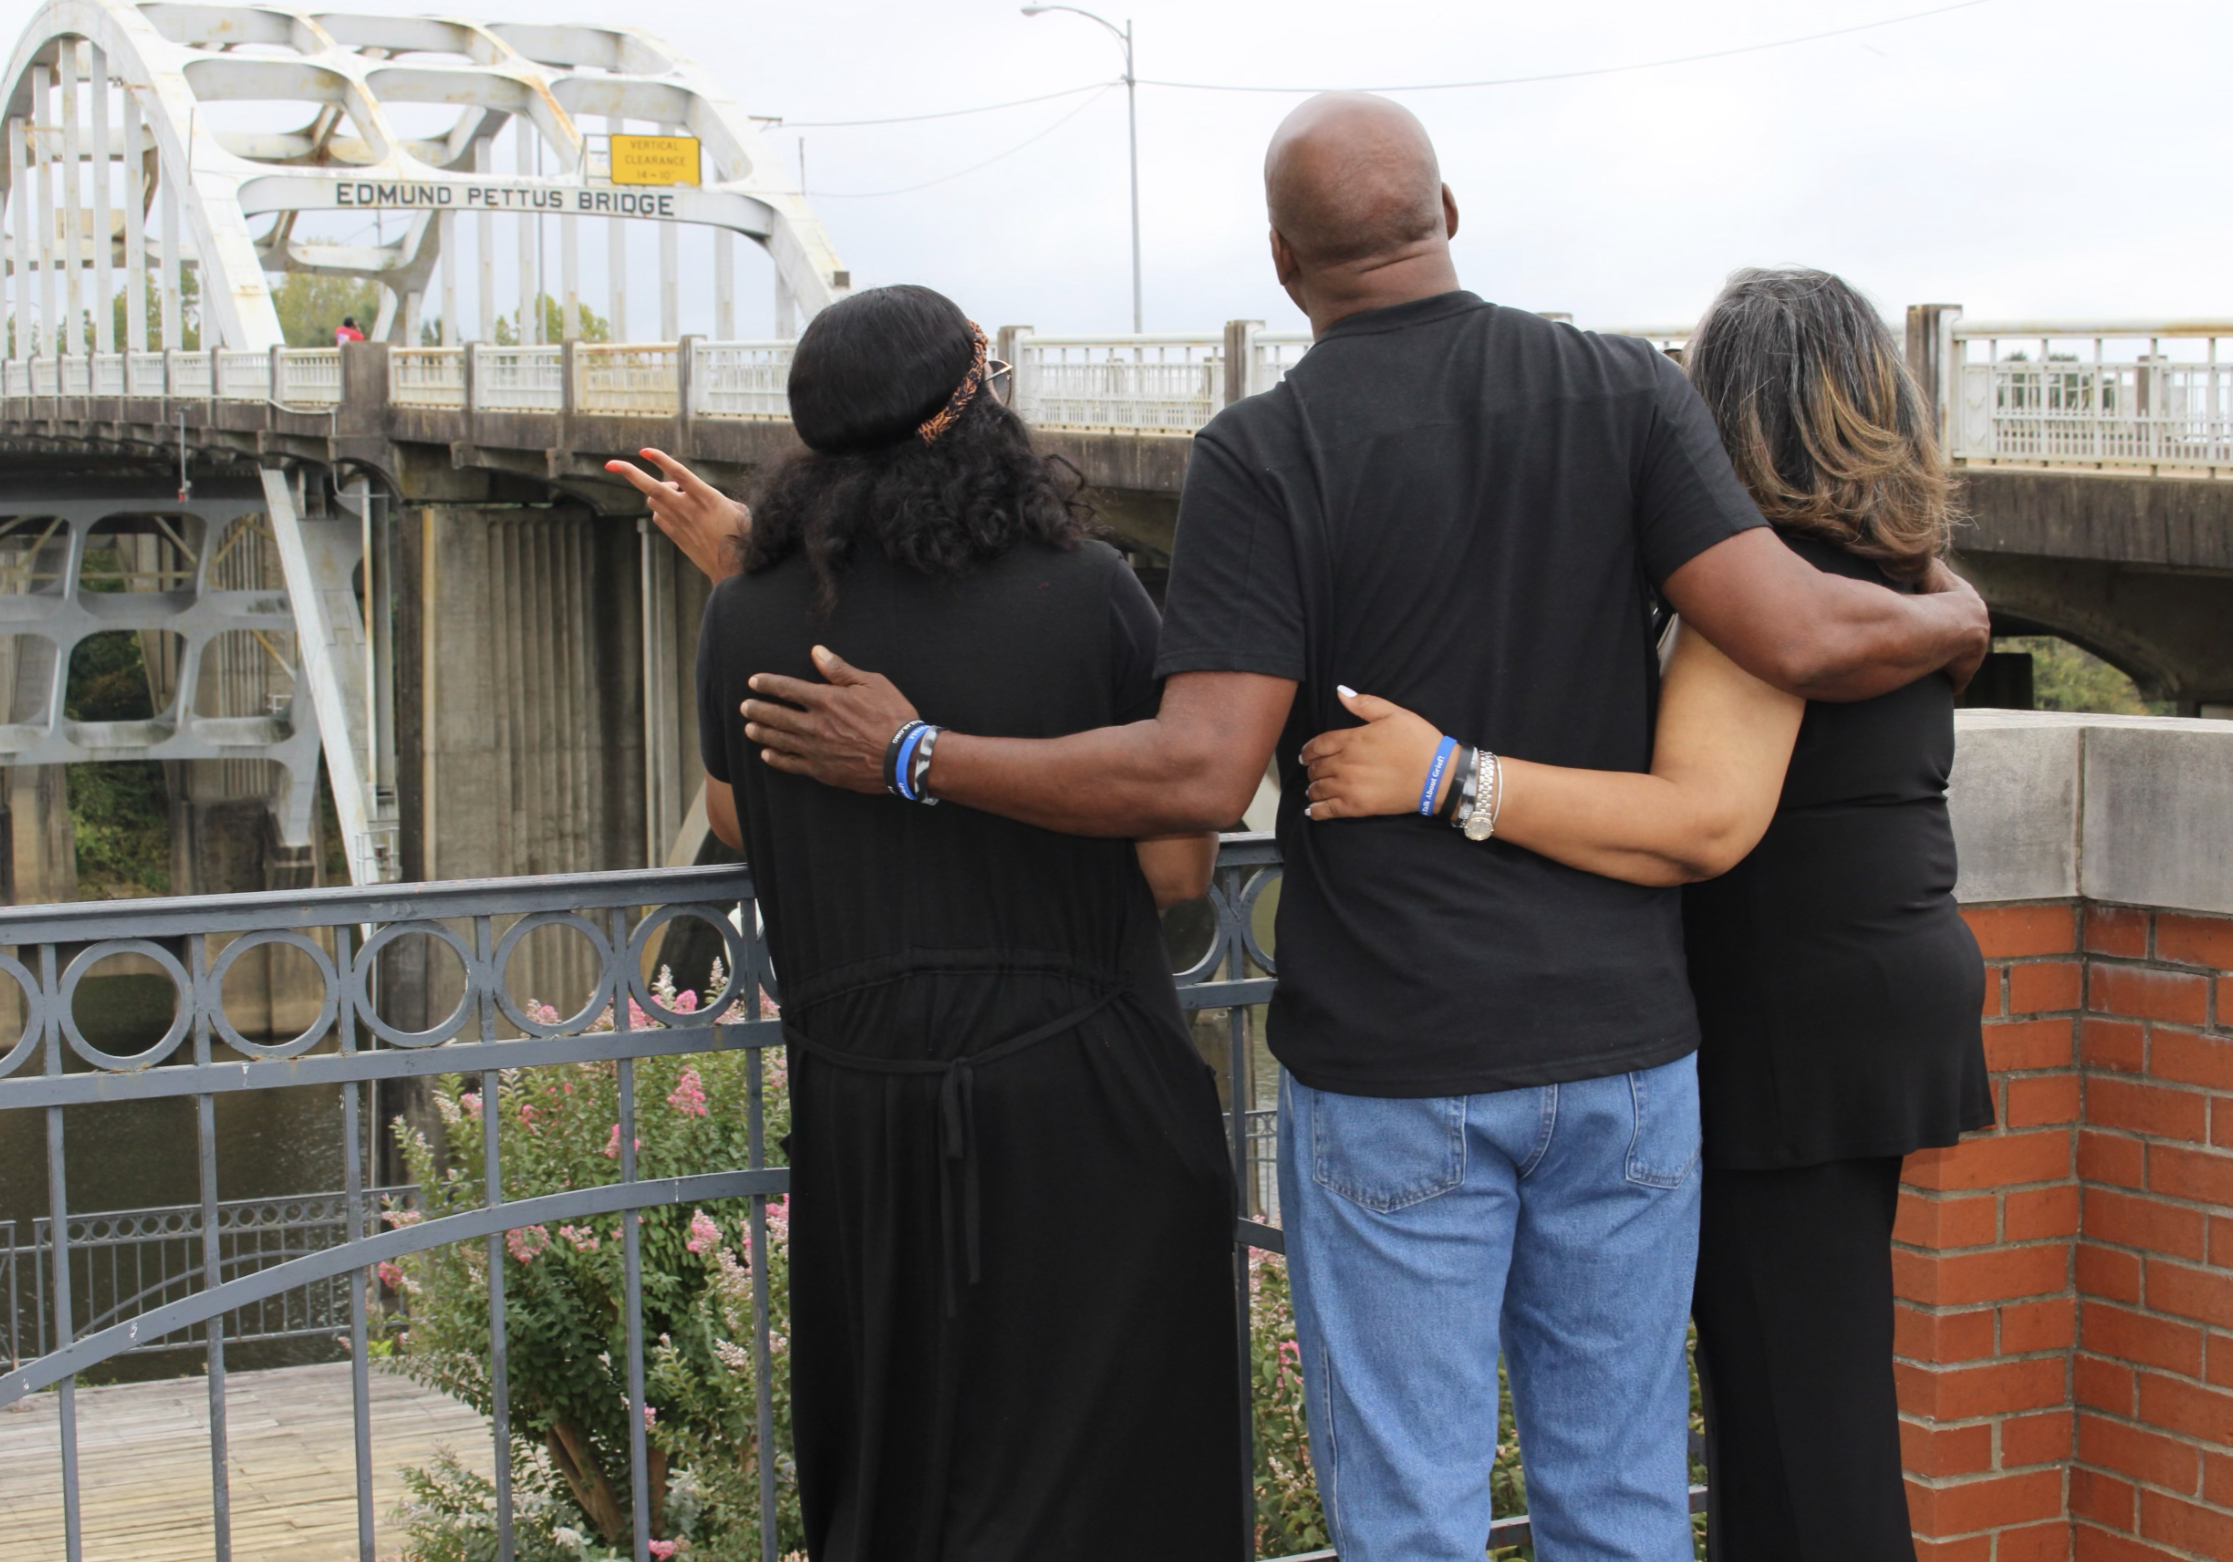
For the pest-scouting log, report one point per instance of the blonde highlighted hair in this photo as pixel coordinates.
(1821, 417)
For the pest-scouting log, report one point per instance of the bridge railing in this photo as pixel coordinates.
(628, 381)
(2138, 394)
(2145, 395)
(306, 377)
(126, 1262)
(426, 376)
(740, 379)
(519, 379)
(192, 376)
(241, 375)
(1171, 381)
(144, 374)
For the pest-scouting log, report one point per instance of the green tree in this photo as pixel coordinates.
(594, 326)
(119, 809)
(311, 305)
(190, 315)
(2064, 677)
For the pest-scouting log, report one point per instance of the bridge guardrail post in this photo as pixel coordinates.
(569, 392)
(2149, 402)
(1930, 358)
(472, 392)
(1240, 359)
(364, 389)
(278, 397)
(216, 356)
(686, 395)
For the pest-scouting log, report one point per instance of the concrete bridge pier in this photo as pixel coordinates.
(543, 709)
(543, 723)
(2138, 570)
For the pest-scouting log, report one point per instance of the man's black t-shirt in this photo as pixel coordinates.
(1462, 508)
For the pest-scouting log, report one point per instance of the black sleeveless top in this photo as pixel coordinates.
(1838, 987)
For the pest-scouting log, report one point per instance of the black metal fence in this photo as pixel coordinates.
(100, 1287)
(127, 1262)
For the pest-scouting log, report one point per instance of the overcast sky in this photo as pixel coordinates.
(2019, 157)
(2056, 158)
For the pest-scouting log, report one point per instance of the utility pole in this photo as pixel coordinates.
(1123, 36)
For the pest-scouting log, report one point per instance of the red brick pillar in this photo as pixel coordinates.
(1982, 1261)
(2153, 1476)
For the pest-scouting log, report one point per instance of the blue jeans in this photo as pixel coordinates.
(1558, 1224)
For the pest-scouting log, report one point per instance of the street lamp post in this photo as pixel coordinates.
(1123, 36)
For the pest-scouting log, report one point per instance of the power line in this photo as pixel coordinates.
(950, 113)
(1599, 70)
(1423, 86)
(869, 195)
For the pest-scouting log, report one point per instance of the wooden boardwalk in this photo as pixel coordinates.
(143, 1461)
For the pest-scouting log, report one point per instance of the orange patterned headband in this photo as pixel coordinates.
(963, 395)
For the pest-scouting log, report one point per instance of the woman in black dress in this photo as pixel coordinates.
(1012, 1322)
(1838, 988)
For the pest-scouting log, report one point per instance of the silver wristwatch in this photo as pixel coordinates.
(1479, 822)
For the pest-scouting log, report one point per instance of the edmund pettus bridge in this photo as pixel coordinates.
(395, 573)
(413, 552)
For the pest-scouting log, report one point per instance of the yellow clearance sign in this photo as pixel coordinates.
(655, 159)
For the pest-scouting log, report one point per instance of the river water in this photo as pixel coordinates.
(142, 1154)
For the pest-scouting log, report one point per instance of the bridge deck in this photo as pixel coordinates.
(144, 1465)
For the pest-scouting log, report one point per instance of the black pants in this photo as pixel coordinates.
(1794, 1313)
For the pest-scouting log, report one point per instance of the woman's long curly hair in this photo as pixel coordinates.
(867, 373)
(1821, 417)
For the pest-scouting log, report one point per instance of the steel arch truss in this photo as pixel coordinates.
(346, 70)
(176, 173)
(172, 590)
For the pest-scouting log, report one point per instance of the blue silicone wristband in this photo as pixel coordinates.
(907, 759)
(1442, 755)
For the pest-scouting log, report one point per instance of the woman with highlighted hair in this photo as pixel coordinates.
(1012, 1325)
(1838, 988)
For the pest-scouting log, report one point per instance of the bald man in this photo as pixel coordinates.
(1489, 1114)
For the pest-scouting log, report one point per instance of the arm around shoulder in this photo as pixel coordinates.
(1823, 636)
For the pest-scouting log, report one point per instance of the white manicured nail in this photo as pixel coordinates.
(1347, 693)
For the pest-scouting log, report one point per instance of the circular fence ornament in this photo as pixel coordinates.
(182, 1017)
(599, 995)
(736, 958)
(34, 1014)
(1245, 917)
(360, 985)
(1222, 933)
(329, 1003)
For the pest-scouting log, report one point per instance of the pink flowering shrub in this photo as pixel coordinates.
(1288, 1517)
(566, 1332)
